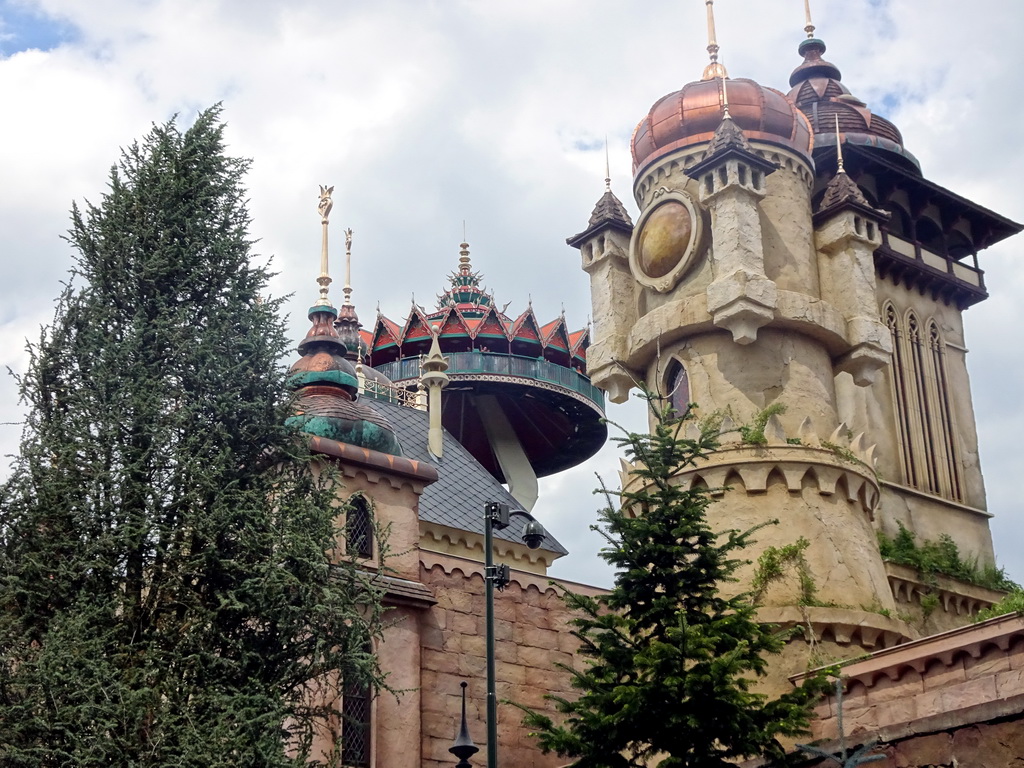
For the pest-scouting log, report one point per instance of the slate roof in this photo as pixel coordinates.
(457, 499)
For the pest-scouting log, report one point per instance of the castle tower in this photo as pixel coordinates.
(766, 279)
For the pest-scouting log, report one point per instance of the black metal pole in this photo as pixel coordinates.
(492, 699)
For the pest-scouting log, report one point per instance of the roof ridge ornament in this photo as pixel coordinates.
(715, 68)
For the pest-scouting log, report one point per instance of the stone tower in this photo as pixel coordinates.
(790, 256)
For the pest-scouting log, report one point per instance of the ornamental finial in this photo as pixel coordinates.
(725, 100)
(464, 265)
(715, 68)
(348, 267)
(607, 167)
(809, 28)
(839, 148)
(324, 280)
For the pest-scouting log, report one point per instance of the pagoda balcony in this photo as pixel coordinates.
(484, 366)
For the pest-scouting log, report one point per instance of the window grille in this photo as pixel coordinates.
(355, 725)
(359, 527)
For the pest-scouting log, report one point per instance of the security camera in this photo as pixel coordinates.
(533, 534)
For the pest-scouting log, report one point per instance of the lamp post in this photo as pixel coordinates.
(496, 518)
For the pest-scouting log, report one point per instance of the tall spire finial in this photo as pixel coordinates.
(348, 267)
(607, 167)
(715, 68)
(809, 28)
(725, 100)
(324, 209)
(464, 266)
(839, 148)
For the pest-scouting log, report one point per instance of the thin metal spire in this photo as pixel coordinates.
(809, 28)
(348, 267)
(725, 100)
(715, 68)
(839, 148)
(607, 167)
(324, 280)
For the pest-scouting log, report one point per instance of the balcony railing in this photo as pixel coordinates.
(529, 368)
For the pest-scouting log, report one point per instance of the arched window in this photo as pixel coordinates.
(359, 527)
(924, 412)
(356, 723)
(677, 388)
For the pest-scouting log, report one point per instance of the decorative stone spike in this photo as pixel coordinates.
(774, 431)
(857, 445)
(692, 431)
(729, 433)
(625, 472)
(841, 435)
(869, 456)
(807, 434)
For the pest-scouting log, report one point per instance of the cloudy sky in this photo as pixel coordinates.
(428, 113)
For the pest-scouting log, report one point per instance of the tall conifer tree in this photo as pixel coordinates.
(670, 661)
(168, 590)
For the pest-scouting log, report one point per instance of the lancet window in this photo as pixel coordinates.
(356, 724)
(359, 527)
(929, 450)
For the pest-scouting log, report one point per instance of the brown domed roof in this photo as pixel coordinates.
(818, 92)
(691, 115)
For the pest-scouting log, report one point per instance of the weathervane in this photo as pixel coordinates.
(324, 209)
(715, 68)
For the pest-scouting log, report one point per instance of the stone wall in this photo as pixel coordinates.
(532, 636)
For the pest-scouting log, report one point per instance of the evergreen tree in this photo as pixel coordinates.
(168, 590)
(670, 660)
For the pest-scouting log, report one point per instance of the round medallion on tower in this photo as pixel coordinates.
(690, 116)
(666, 240)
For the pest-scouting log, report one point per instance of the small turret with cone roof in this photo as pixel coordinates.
(324, 379)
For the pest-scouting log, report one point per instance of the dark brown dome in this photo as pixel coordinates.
(818, 92)
(691, 115)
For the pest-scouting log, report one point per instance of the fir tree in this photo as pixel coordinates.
(670, 661)
(168, 590)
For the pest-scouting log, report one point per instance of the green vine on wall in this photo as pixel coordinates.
(941, 557)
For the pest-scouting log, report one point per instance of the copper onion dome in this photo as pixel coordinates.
(690, 116)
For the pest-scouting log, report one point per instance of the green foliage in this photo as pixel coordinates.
(940, 557)
(773, 565)
(753, 433)
(1012, 603)
(670, 660)
(167, 593)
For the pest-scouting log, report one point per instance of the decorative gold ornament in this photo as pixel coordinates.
(666, 241)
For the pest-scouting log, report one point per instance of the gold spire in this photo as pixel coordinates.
(464, 266)
(725, 100)
(809, 29)
(348, 267)
(715, 68)
(839, 149)
(324, 280)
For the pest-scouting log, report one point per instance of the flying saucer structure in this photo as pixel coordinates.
(518, 397)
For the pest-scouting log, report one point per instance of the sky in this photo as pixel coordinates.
(425, 114)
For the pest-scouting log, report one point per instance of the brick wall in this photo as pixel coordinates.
(531, 636)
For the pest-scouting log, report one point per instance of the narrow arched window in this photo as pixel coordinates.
(677, 389)
(359, 527)
(901, 394)
(947, 449)
(356, 722)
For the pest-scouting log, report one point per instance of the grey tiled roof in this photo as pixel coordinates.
(457, 499)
